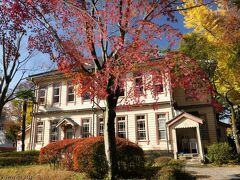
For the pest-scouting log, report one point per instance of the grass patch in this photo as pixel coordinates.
(39, 172)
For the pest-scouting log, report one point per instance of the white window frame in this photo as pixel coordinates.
(70, 85)
(39, 134)
(159, 127)
(86, 134)
(120, 120)
(100, 126)
(54, 133)
(138, 131)
(56, 86)
(44, 89)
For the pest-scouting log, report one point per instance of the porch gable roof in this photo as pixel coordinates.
(184, 115)
(68, 121)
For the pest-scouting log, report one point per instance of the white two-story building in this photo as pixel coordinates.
(62, 114)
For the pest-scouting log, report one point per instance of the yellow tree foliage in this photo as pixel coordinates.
(219, 24)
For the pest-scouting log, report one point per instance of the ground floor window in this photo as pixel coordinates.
(40, 131)
(68, 132)
(85, 127)
(54, 131)
(161, 119)
(121, 127)
(101, 127)
(141, 127)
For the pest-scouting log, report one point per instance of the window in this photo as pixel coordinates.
(86, 96)
(161, 119)
(121, 127)
(139, 83)
(158, 86)
(204, 127)
(85, 127)
(68, 132)
(56, 93)
(54, 131)
(42, 95)
(70, 93)
(122, 92)
(141, 128)
(39, 131)
(101, 127)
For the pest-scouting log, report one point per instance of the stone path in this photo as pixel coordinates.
(215, 173)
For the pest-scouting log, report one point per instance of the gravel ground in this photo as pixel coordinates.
(216, 173)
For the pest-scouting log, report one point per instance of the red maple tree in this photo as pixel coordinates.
(103, 44)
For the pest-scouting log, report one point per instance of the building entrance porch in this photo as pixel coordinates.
(184, 134)
(187, 141)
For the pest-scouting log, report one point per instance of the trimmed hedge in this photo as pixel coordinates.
(89, 157)
(59, 153)
(19, 158)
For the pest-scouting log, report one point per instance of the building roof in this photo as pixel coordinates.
(184, 115)
(67, 121)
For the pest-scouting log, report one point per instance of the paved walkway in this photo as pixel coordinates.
(215, 173)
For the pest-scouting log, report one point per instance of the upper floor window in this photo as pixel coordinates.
(101, 127)
(141, 127)
(56, 93)
(70, 93)
(86, 96)
(121, 126)
(204, 127)
(161, 119)
(122, 91)
(42, 95)
(138, 83)
(85, 127)
(54, 131)
(40, 131)
(158, 85)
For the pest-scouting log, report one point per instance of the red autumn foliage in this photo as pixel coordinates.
(89, 157)
(59, 152)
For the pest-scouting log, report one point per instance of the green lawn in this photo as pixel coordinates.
(43, 172)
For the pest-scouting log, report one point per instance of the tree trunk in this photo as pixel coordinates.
(24, 123)
(109, 136)
(234, 129)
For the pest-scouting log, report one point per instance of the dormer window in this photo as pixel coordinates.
(42, 95)
(56, 93)
(70, 93)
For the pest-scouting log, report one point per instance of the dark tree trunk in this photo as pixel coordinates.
(24, 123)
(109, 130)
(234, 129)
(109, 136)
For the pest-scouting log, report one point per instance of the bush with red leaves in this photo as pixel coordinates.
(58, 153)
(89, 157)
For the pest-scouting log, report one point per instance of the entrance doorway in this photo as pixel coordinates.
(68, 132)
(187, 140)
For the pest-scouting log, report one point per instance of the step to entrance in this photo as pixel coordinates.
(190, 158)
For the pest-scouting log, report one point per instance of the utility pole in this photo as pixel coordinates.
(24, 122)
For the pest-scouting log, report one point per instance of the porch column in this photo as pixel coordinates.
(174, 140)
(199, 142)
